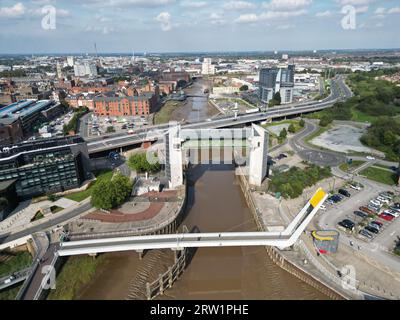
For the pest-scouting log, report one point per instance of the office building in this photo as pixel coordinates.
(273, 80)
(45, 166)
(207, 68)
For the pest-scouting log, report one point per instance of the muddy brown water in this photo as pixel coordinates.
(215, 203)
(195, 109)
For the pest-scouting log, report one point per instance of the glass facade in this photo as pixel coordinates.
(43, 171)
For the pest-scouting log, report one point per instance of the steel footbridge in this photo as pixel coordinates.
(282, 239)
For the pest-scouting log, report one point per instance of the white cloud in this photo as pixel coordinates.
(165, 19)
(286, 4)
(247, 18)
(15, 11)
(380, 10)
(362, 9)
(394, 10)
(129, 3)
(194, 4)
(269, 15)
(323, 14)
(354, 2)
(238, 5)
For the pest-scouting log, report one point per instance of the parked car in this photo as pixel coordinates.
(395, 209)
(356, 186)
(374, 225)
(396, 205)
(366, 234)
(386, 217)
(366, 210)
(372, 229)
(322, 207)
(348, 224)
(360, 214)
(380, 224)
(376, 202)
(374, 207)
(392, 213)
(383, 200)
(345, 193)
(385, 195)
(370, 158)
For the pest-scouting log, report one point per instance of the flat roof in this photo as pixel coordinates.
(23, 108)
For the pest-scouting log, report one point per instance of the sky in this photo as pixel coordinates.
(73, 26)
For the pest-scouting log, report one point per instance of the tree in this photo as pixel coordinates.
(292, 128)
(110, 129)
(111, 194)
(244, 88)
(325, 121)
(283, 134)
(302, 123)
(139, 163)
(277, 98)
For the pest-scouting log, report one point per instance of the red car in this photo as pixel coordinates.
(386, 217)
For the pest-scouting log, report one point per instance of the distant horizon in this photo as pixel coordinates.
(206, 52)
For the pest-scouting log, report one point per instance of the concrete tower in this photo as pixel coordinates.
(258, 155)
(173, 159)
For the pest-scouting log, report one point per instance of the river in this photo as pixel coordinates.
(215, 204)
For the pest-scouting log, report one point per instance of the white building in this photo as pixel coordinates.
(86, 69)
(207, 68)
(70, 61)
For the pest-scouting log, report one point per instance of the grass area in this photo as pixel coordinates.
(379, 175)
(55, 209)
(19, 260)
(77, 272)
(359, 116)
(289, 122)
(355, 164)
(82, 195)
(240, 102)
(39, 215)
(165, 113)
(292, 183)
(10, 293)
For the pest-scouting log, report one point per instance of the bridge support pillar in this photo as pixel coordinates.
(148, 291)
(161, 283)
(141, 254)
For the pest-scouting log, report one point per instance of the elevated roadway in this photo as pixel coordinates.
(339, 92)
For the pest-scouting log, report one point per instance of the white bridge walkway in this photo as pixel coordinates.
(189, 240)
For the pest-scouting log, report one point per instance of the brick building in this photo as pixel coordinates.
(143, 104)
